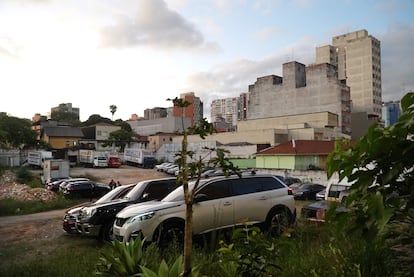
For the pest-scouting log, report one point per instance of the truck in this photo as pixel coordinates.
(92, 158)
(55, 169)
(139, 157)
(36, 158)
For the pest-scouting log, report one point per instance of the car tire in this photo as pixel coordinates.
(171, 232)
(106, 233)
(278, 221)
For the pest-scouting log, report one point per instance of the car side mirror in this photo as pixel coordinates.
(200, 198)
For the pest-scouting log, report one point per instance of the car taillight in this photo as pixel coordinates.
(70, 188)
(290, 191)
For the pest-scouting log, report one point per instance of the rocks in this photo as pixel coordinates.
(10, 189)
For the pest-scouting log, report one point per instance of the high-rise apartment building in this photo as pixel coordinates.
(357, 57)
(155, 113)
(391, 111)
(65, 108)
(194, 111)
(225, 109)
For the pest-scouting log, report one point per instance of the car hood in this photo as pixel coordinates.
(151, 206)
(113, 203)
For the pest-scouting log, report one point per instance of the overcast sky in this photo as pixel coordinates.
(137, 53)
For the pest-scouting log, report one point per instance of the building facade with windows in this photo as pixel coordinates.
(357, 56)
(391, 111)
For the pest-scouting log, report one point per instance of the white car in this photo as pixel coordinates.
(219, 203)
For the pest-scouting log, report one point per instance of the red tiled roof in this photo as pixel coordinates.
(300, 147)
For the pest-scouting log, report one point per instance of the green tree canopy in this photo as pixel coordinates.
(66, 116)
(113, 109)
(96, 118)
(16, 133)
(120, 138)
(381, 201)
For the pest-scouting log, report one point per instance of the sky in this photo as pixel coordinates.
(135, 54)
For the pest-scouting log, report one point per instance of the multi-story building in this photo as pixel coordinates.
(65, 108)
(194, 111)
(391, 111)
(357, 57)
(302, 90)
(226, 109)
(155, 113)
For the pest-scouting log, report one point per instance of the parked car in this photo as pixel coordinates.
(66, 182)
(71, 214)
(307, 191)
(320, 195)
(172, 170)
(114, 161)
(85, 189)
(98, 219)
(219, 203)
(292, 180)
(53, 185)
(159, 167)
(294, 187)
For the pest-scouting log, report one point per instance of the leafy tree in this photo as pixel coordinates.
(124, 125)
(193, 170)
(120, 137)
(16, 133)
(113, 109)
(96, 118)
(381, 201)
(66, 116)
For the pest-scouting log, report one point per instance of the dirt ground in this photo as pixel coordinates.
(48, 225)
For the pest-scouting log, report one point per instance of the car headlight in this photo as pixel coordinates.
(89, 212)
(140, 217)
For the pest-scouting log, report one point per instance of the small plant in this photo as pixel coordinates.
(251, 253)
(164, 271)
(124, 259)
(24, 175)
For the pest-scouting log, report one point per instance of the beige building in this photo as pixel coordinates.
(357, 56)
(302, 90)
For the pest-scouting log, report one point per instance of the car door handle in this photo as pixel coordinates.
(227, 204)
(263, 198)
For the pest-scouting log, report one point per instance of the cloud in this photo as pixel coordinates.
(8, 48)
(233, 78)
(153, 25)
(397, 45)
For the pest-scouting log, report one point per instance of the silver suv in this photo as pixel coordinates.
(219, 203)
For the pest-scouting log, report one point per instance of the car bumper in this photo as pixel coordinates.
(88, 229)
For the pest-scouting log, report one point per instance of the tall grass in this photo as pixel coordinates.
(310, 251)
(15, 207)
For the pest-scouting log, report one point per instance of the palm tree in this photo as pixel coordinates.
(113, 110)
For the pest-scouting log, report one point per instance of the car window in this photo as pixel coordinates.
(157, 190)
(216, 190)
(245, 186)
(269, 183)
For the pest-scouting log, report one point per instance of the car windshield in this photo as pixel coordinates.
(305, 186)
(115, 193)
(178, 193)
(135, 192)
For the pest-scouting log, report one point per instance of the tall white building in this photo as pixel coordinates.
(357, 56)
(226, 109)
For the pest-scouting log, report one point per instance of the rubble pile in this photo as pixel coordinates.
(9, 188)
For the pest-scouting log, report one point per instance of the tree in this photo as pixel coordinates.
(381, 201)
(16, 133)
(120, 137)
(193, 170)
(113, 110)
(94, 119)
(65, 116)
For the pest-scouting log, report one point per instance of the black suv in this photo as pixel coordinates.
(98, 219)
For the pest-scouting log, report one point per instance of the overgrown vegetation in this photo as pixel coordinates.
(14, 207)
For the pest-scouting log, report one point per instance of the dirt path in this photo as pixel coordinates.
(48, 225)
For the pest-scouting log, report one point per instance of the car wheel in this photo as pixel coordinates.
(171, 232)
(106, 233)
(278, 222)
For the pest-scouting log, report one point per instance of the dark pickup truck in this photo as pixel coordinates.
(98, 219)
